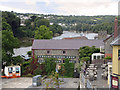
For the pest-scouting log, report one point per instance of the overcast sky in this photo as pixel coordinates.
(62, 7)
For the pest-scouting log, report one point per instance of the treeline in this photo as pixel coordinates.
(85, 23)
(80, 23)
(30, 25)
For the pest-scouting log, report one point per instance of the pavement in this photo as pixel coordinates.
(68, 83)
(22, 82)
(26, 82)
(100, 82)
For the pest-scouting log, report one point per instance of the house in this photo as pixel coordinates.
(116, 61)
(109, 39)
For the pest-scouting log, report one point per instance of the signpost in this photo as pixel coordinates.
(114, 82)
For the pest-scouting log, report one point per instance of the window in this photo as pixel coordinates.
(94, 57)
(98, 57)
(119, 54)
(102, 57)
(10, 70)
(48, 52)
(64, 52)
(17, 70)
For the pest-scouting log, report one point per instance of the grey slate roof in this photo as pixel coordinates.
(116, 41)
(65, 44)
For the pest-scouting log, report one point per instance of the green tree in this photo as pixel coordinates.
(17, 60)
(40, 22)
(69, 68)
(13, 21)
(86, 52)
(56, 29)
(43, 32)
(8, 43)
(79, 27)
(50, 65)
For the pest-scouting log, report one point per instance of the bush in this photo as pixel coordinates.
(37, 71)
(17, 60)
(28, 75)
(29, 53)
(108, 58)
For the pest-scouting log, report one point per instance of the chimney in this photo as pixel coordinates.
(115, 28)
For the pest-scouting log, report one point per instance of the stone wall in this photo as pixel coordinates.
(58, 53)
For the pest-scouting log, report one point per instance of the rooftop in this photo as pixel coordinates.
(83, 38)
(65, 44)
(116, 41)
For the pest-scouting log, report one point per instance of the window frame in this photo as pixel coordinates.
(64, 52)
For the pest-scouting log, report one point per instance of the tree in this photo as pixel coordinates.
(86, 52)
(79, 27)
(40, 22)
(13, 21)
(43, 32)
(69, 68)
(50, 65)
(8, 43)
(56, 29)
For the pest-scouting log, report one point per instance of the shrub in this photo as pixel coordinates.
(108, 58)
(17, 60)
(29, 53)
(29, 75)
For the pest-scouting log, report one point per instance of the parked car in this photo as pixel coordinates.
(25, 57)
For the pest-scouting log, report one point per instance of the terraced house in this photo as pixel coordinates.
(61, 49)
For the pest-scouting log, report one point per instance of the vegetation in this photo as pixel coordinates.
(54, 82)
(13, 21)
(85, 54)
(18, 60)
(43, 33)
(108, 58)
(69, 68)
(50, 65)
(8, 43)
(31, 24)
(29, 53)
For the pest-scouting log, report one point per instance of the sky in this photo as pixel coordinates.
(62, 7)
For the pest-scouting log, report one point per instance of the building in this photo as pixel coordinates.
(61, 49)
(101, 35)
(116, 59)
(81, 37)
(109, 39)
